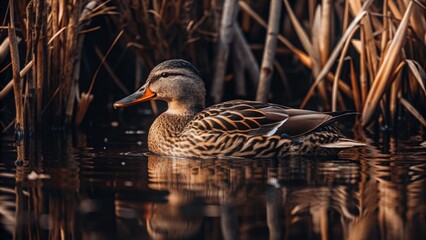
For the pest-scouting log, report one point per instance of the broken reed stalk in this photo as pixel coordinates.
(226, 34)
(267, 67)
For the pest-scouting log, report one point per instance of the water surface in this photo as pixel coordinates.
(100, 185)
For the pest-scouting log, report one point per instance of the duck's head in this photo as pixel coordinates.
(176, 81)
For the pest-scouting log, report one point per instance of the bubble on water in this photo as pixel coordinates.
(123, 163)
(139, 143)
(105, 140)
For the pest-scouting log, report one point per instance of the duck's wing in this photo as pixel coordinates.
(302, 122)
(240, 116)
(256, 118)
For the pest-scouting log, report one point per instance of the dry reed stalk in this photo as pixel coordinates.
(355, 86)
(4, 49)
(17, 83)
(324, 42)
(267, 67)
(226, 34)
(246, 19)
(395, 89)
(363, 71)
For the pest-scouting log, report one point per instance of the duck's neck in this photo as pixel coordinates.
(179, 108)
(165, 130)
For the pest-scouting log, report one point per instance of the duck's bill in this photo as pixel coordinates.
(135, 98)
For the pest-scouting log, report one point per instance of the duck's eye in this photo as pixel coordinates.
(165, 74)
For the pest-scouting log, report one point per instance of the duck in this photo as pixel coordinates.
(236, 128)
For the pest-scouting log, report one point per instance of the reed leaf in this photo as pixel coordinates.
(339, 70)
(411, 109)
(382, 79)
(418, 73)
(303, 37)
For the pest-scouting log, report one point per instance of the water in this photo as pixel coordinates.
(102, 186)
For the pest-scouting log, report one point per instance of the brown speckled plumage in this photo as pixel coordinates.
(236, 128)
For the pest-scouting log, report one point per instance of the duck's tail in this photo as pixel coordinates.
(343, 143)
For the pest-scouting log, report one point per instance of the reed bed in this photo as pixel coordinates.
(366, 56)
(46, 65)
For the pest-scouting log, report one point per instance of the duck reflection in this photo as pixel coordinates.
(330, 198)
(221, 187)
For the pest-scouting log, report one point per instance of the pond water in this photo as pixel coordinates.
(101, 185)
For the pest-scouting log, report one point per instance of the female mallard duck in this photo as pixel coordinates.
(236, 128)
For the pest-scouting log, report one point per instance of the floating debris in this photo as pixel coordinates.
(33, 176)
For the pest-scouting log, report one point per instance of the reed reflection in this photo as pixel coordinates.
(97, 194)
(45, 187)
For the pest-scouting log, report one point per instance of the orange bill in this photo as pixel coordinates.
(142, 95)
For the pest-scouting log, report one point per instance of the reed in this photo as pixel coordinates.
(363, 55)
(46, 88)
(383, 38)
